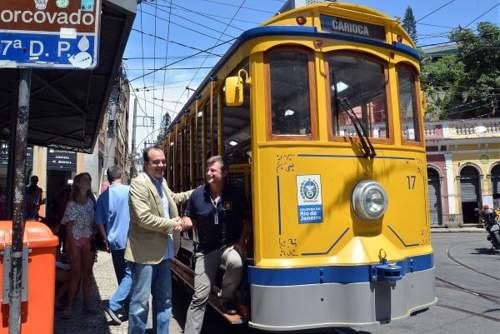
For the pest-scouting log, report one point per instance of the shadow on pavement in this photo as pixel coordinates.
(485, 251)
(83, 322)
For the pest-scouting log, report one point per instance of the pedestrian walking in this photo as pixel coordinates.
(33, 199)
(79, 221)
(112, 220)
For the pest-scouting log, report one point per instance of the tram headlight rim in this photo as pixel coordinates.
(369, 200)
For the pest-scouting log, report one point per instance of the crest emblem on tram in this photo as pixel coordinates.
(309, 189)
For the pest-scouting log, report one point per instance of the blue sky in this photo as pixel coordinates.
(201, 24)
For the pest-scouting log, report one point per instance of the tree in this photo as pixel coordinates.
(467, 84)
(410, 24)
(165, 123)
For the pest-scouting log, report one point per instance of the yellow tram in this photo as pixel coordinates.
(320, 114)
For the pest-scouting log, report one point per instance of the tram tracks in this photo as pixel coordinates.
(452, 258)
(486, 296)
(489, 297)
(492, 298)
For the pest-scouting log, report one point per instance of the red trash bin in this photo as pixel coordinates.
(37, 309)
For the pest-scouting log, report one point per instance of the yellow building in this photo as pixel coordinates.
(463, 168)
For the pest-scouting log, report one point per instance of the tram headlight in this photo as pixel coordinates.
(369, 200)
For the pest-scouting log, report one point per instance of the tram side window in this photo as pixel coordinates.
(410, 130)
(215, 125)
(185, 157)
(290, 91)
(170, 159)
(361, 82)
(236, 126)
(198, 153)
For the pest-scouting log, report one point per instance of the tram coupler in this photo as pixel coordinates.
(386, 271)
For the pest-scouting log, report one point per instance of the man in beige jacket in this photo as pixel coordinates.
(152, 243)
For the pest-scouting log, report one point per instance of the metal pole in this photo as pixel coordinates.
(133, 171)
(18, 221)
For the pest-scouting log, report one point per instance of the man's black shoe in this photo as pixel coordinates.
(229, 308)
(114, 317)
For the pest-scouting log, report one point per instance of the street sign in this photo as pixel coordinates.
(49, 33)
(61, 160)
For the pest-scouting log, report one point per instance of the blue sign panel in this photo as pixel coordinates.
(46, 49)
(310, 214)
(49, 33)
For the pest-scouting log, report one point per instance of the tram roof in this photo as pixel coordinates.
(67, 107)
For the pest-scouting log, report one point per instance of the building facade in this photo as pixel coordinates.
(463, 159)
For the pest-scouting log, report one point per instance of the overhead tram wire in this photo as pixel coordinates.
(174, 42)
(204, 60)
(436, 25)
(184, 27)
(172, 69)
(142, 50)
(166, 51)
(434, 44)
(483, 14)
(184, 18)
(134, 91)
(204, 15)
(435, 10)
(469, 24)
(182, 59)
(154, 53)
(170, 111)
(236, 6)
(170, 57)
(210, 15)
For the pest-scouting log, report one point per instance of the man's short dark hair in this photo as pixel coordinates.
(145, 153)
(220, 159)
(114, 173)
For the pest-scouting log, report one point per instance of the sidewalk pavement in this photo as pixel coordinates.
(464, 229)
(99, 322)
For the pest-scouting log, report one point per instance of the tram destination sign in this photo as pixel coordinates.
(49, 33)
(350, 27)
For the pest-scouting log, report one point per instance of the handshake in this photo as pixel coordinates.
(182, 224)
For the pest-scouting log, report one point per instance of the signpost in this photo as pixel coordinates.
(54, 34)
(49, 33)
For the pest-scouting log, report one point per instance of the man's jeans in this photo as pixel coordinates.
(119, 263)
(121, 297)
(155, 280)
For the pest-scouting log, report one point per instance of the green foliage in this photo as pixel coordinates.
(467, 84)
(410, 24)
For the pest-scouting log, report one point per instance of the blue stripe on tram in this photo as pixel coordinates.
(330, 274)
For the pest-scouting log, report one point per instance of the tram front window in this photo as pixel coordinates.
(408, 103)
(362, 82)
(289, 85)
